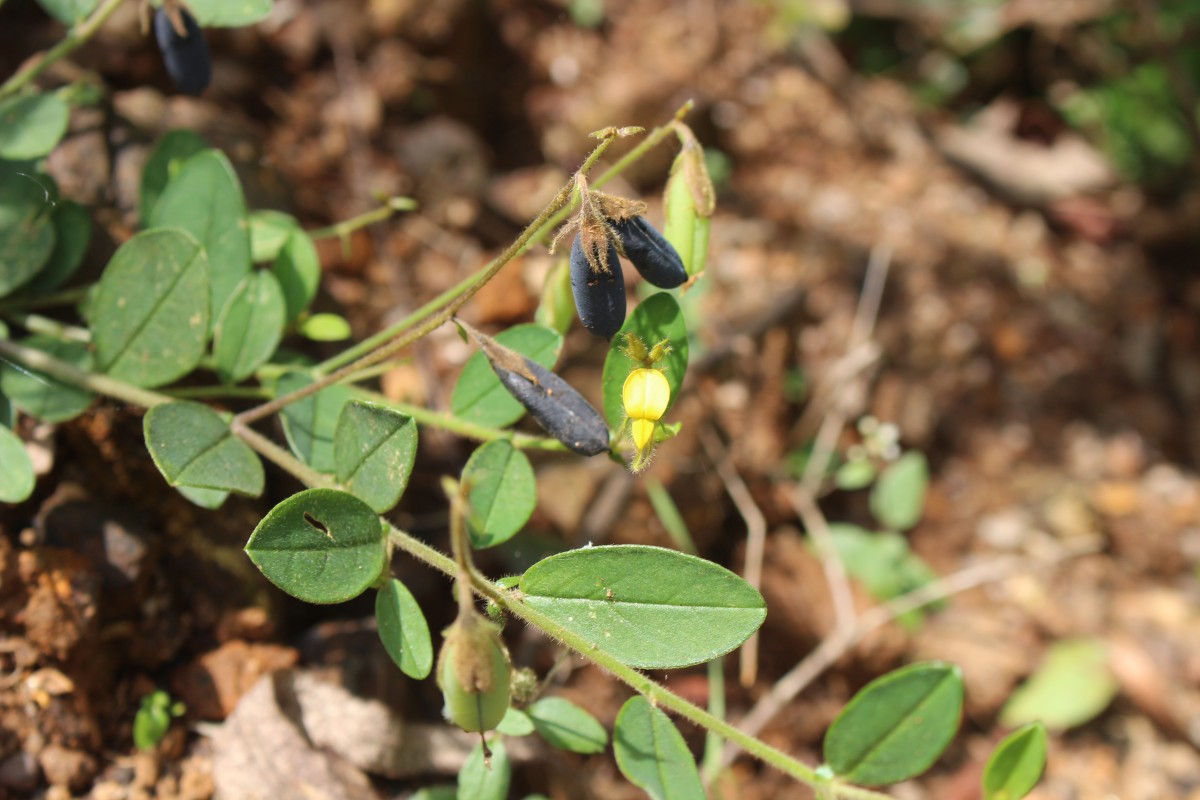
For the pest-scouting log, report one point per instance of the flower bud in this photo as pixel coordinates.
(473, 674)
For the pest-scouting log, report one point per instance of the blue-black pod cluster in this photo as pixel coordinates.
(648, 250)
(186, 57)
(556, 406)
(599, 296)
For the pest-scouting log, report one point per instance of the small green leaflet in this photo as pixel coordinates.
(309, 424)
(31, 125)
(1016, 765)
(652, 754)
(478, 781)
(250, 327)
(16, 470)
(567, 726)
(1073, 685)
(403, 630)
(501, 493)
(374, 448)
(37, 394)
(192, 446)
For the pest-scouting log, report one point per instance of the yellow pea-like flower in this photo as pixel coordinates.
(645, 394)
(642, 433)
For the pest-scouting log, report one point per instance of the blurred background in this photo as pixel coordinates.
(1021, 174)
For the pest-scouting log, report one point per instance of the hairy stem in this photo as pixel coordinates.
(34, 359)
(348, 226)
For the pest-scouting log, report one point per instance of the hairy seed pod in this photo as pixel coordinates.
(651, 253)
(473, 674)
(599, 296)
(186, 57)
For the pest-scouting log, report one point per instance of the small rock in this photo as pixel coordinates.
(64, 766)
(212, 684)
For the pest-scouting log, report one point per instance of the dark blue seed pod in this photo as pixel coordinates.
(556, 406)
(186, 57)
(651, 253)
(599, 296)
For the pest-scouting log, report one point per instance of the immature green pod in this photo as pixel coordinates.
(552, 402)
(652, 254)
(688, 204)
(599, 296)
(185, 55)
(473, 674)
(557, 308)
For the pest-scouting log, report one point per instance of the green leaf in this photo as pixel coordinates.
(855, 474)
(41, 396)
(478, 781)
(250, 327)
(647, 606)
(309, 424)
(8, 414)
(150, 725)
(480, 397)
(1073, 685)
(657, 318)
(150, 312)
(298, 267)
(325, 328)
(164, 163)
(205, 498)
(897, 725)
(26, 230)
(515, 723)
(403, 630)
(320, 546)
(883, 561)
(31, 125)
(72, 231)
(16, 470)
(652, 754)
(68, 12)
(269, 230)
(229, 13)
(501, 493)
(373, 450)
(192, 446)
(567, 726)
(205, 199)
(1016, 764)
(435, 793)
(898, 496)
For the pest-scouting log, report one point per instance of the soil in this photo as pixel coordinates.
(1038, 341)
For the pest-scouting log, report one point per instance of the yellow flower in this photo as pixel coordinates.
(646, 394)
(642, 433)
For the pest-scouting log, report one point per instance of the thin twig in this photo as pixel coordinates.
(756, 536)
(833, 647)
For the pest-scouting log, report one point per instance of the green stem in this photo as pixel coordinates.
(219, 393)
(348, 226)
(464, 428)
(36, 323)
(281, 457)
(35, 359)
(639, 682)
(74, 38)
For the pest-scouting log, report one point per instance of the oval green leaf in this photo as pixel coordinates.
(898, 496)
(205, 199)
(37, 394)
(250, 327)
(1016, 764)
(150, 312)
(72, 231)
(651, 753)
(320, 546)
(164, 163)
(647, 606)
(515, 723)
(374, 448)
(31, 125)
(1073, 685)
(16, 470)
(192, 446)
(229, 13)
(26, 230)
(479, 781)
(501, 493)
(324, 328)
(480, 397)
(269, 230)
(297, 265)
(567, 726)
(309, 424)
(403, 630)
(897, 725)
(658, 317)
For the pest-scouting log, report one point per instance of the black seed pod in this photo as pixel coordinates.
(651, 253)
(599, 296)
(186, 57)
